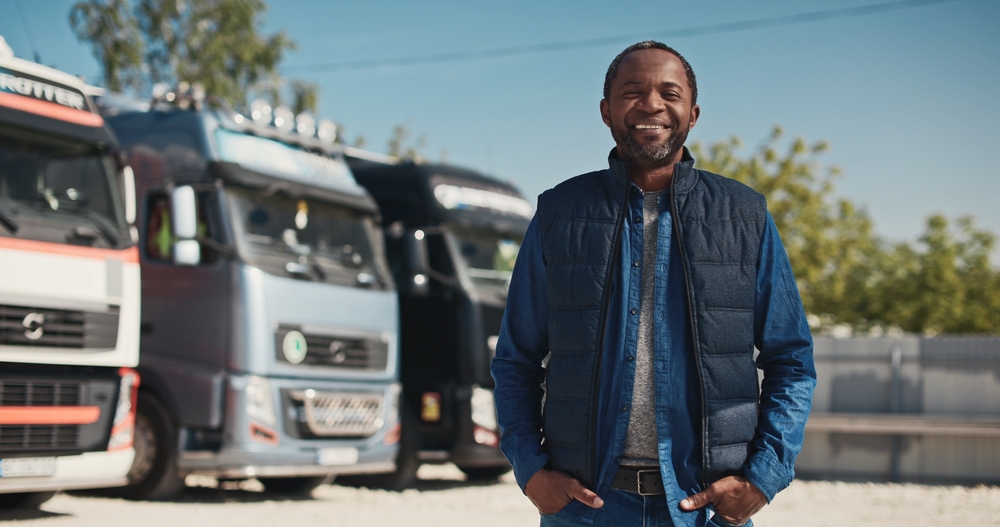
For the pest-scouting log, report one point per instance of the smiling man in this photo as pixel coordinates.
(639, 297)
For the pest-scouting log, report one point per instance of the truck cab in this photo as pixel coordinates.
(69, 290)
(453, 236)
(269, 317)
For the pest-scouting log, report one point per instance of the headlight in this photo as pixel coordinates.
(260, 404)
(484, 411)
(123, 426)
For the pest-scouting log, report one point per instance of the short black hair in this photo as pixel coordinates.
(650, 44)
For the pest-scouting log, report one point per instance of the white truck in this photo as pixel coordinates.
(69, 290)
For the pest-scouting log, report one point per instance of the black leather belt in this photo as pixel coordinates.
(644, 480)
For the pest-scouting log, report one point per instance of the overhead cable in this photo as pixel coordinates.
(549, 47)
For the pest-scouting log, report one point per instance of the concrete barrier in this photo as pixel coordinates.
(905, 409)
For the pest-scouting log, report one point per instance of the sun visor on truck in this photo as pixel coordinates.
(235, 174)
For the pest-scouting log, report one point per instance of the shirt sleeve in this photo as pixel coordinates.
(517, 367)
(781, 333)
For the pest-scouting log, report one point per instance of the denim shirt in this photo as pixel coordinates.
(781, 334)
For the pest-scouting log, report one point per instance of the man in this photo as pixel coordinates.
(637, 301)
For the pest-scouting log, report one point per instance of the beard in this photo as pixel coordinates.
(657, 151)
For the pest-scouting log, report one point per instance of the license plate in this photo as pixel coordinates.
(26, 467)
(337, 456)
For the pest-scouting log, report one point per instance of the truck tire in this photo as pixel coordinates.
(24, 500)
(405, 475)
(484, 473)
(153, 475)
(292, 486)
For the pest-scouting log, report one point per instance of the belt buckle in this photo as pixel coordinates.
(638, 482)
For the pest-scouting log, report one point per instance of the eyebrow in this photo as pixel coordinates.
(662, 84)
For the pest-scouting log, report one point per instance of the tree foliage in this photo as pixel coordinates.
(845, 272)
(214, 42)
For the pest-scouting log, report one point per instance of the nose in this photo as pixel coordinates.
(651, 102)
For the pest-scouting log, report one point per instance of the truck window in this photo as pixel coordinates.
(307, 238)
(488, 256)
(159, 231)
(62, 189)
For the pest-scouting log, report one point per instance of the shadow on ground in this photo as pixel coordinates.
(17, 515)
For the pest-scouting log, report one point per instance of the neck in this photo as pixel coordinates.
(653, 175)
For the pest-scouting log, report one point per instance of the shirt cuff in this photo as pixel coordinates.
(767, 474)
(524, 470)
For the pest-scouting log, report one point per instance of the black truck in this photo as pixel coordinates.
(452, 237)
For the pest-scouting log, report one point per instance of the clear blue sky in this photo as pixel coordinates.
(909, 100)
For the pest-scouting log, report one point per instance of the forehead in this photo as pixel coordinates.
(651, 66)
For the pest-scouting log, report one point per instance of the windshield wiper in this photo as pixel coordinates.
(8, 222)
(95, 220)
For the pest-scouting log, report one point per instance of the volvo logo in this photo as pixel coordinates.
(338, 352)
(34, 324)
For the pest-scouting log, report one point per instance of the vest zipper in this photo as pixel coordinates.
(599, 356)
(694, 333)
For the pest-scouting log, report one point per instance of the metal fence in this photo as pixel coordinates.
(905, 409)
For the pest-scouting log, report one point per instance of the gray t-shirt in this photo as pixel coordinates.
(641, 440)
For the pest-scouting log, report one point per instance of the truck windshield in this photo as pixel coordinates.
(488, 256)
(58, 190)
(308, 239)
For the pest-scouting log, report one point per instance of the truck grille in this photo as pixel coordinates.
(34, 438)
(19, 389)
(40, 393)
(58, 328)
(352, 353)
(337, 414)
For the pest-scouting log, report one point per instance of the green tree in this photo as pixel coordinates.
(214, 42)
(943, 285)
(116, 38)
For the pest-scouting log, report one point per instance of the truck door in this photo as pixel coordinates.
(186, 311)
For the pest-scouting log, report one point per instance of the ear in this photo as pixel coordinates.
(606, 112)
(695, 113)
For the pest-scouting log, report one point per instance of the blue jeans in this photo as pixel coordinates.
(626, 509)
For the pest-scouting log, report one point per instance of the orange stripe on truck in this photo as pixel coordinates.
(130, 255)
(49, 415)
(50, 110)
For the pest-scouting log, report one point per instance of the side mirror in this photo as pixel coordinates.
(184, 217)
(128, 178)
(418, 262)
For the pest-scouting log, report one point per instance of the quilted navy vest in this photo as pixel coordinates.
(718, 223)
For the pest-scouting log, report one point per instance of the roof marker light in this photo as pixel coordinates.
(284, 119)
(260, 111)
(326, 131)
(305, 124)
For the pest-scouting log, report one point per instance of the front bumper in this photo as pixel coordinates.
(90, 470)
(283, 451)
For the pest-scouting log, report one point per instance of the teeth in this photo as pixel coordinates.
(648, 127)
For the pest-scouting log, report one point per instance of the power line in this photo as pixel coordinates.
(24, 25)
(549, 47)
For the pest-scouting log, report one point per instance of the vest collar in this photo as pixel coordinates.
(618, 179)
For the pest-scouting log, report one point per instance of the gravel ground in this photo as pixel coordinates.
(443, 498)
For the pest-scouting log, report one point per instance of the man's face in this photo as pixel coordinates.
(649, 107)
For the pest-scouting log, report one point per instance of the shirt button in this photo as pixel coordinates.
(638, 219)
(630, 358)
(634, 311)
(618, 460)
(635, 263)
(624, 408)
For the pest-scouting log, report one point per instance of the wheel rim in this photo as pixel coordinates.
(145, 449)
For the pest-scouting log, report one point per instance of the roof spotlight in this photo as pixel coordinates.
(327, 131)
(305, 124)
(284, 119)
(260, 111)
